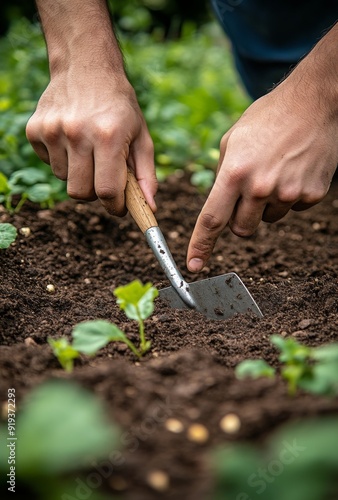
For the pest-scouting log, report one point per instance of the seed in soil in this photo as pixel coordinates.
(198, 433)
(230, 423)
(25, 231)
(158, 480)
(174, 425)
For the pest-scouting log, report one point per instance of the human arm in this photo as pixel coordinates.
(88, 125)
(280, 155)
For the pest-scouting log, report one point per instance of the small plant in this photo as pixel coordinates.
(136, 300)
(8, 234)
(61, 430)
(314, 369)
(297, 462)
(64, 352)
(30, 183)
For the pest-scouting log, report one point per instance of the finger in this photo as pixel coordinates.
(59, 163)
(80, 180)
(41, 150)
(246, 216)
(212, 220)
(110, 179)
(273, 212)
(142, 163)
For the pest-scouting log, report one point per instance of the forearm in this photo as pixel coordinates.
(316, 76)
(79, 33)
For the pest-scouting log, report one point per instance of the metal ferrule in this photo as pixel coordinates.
(160, 248)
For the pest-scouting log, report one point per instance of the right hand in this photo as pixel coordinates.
(89, 127)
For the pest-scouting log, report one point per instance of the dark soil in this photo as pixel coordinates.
(290, 268)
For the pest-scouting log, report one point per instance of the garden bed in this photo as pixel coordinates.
(290, 268)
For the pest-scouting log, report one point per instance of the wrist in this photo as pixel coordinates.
(313, 82)
(79, 35)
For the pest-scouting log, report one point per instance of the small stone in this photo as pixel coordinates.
(113, 257)
(316, 226)
(158, 480)
(335, 203)
(67, 255)
(305, 323)
(87, 281)
(283, 274)
(25, 231)
(30, 342)
(198, 433)
(173, 235)
(219, 258)
(50, 288)
(174, 425)
(230, 423)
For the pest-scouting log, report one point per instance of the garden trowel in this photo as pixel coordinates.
(217, 298)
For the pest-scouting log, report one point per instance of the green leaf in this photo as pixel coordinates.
(61, 427)
(136, 299)
(39, 193)
(8, 234)
(325, 353)
(4, 187)
(64, 352)
(291, 350)
(254, 368)
(90, 336)
(324, 379)
(28, 176)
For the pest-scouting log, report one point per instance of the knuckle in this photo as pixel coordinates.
(106, 192)
(211, 223)
(242, 232)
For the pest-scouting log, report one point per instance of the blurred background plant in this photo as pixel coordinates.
(178, 60)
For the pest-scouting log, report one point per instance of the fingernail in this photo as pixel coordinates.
(195, 265)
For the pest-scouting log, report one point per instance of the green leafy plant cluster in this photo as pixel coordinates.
(298, 462)
(136, 300)
(32, 184)
(313, 369)
(61, 429)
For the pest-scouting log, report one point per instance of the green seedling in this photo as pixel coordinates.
(61, 430)
(8, 234)
(90, 336)
(254, 368)
(136, 300)
(64, 352)
(314, 369)
(28, 184)
(298, 462)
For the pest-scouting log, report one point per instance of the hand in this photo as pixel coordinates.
(280, 155)
(89, 127)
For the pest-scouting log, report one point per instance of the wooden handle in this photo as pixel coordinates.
(137, 204)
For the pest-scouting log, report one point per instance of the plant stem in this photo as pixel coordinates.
(142, 337)
(133, 348)
(20, 203)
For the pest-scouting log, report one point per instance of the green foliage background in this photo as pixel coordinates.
(186, 86)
